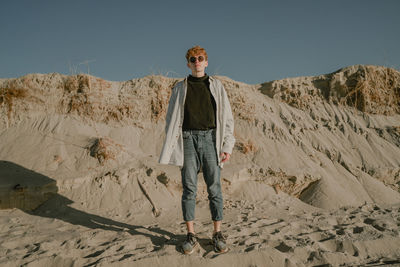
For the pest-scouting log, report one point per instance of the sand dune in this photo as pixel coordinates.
(314, 177)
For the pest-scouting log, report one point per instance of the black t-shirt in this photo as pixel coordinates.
(200, 105)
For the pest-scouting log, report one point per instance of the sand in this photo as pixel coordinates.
(313, 179)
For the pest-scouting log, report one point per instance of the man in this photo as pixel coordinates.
(199, 136)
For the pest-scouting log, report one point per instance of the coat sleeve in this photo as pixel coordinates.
(172, 101)
(229, 139)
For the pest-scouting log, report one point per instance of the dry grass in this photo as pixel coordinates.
(84, 97)
(119, 112)
(9, 94)
(376, 90)
(88, 97)
(159, 101)
(159, 104)
(78, 86)
(77, 83)
(370, 89)
(77, 103)
(100, 104)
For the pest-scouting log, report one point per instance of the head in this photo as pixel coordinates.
(197, 60)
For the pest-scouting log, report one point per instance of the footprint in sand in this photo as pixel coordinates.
(369, 221)
(253, 247)
(32, 249)
(347, 246)
(358, 230)
(245, 217)
(282, 247)
(382, 225)
(126, 256)
(95, 254)
(320, 236)
(340, 231)
(379, 226)
(275, 231)
(331, 245)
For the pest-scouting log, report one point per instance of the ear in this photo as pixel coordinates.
(206, 63)
(188, 65)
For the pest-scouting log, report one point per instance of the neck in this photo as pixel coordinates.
(198, 74)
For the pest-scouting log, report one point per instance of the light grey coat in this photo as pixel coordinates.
(172, 151)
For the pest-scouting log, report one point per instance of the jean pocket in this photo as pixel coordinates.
(185, 135)
(214, 136)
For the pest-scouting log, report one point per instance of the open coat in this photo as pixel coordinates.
(172, 151)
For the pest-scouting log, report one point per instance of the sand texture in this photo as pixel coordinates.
(313, 180)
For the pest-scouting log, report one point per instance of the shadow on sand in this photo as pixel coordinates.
(30, 186)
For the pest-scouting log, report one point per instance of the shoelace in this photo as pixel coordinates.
(190, 238)
(219, 236)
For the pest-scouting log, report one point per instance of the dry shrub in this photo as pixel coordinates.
(246, 146)
(9, 94)
(375, 90)
(77, 86)
(57, 158)
(163, 178)
(98, 104)
(104, 149)
(77, 83)
(281, 181)
(159, 105)
(81, 105)
(159, 101)
(118, 113)
(84, 94)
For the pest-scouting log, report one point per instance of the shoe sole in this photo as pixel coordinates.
(190, 252)
(221, 251)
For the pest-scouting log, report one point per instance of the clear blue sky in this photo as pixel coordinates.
(248, 41)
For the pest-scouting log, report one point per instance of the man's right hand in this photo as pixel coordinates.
(225, 157)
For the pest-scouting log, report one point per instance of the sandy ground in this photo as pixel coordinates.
(275, 232)
(313, 180)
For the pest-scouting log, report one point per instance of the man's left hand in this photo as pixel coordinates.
(225, 157)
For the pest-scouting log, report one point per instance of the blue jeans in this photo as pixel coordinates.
(200, 153)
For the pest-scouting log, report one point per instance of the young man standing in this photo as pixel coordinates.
(199, 136)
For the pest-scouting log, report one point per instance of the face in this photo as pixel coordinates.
(197, 63)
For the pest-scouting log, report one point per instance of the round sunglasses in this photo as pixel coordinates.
(199, 58)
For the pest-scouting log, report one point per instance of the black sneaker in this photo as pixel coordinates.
(219, 242)
(189, 244)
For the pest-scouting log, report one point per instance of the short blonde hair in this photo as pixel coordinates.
(195, 51)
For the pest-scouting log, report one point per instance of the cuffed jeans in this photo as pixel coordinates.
(200, 153)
